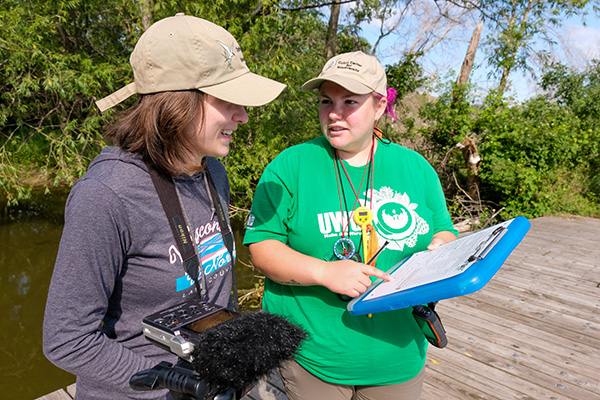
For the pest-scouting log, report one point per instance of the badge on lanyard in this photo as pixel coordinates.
(363, 216)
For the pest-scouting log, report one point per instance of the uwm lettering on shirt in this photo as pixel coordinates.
(336, 222)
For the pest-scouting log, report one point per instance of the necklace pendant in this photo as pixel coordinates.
(363, 216)
(344, 248)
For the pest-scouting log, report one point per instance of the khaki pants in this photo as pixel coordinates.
(302, 385)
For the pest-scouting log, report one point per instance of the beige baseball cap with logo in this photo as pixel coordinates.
(185, 52)
(356, 72)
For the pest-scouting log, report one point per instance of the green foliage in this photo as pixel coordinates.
(453, 116)
(406, 76)
(60, 56)
(283, 47)
(579, 93)
(538, 158)
(251, 299)
(52, 69)
(515, 25)
(533, 161)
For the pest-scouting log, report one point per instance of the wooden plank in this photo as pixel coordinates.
(439, 386)
(512, 332)
(57, 395)
(71, 390)
(574, 328)
(543, 287)
(562, 266)
(473, 374)
(528, 360)
(538, 321)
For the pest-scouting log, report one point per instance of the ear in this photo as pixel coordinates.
(380, 105)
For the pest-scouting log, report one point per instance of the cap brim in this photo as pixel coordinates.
(117, 97)
(347, 83)
(250, 90)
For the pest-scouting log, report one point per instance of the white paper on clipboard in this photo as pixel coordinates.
(444, 262)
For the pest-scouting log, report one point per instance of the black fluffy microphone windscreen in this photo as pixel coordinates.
(239, 352)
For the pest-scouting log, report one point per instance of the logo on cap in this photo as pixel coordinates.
(228, 53)
(331, 65)
(350, 65)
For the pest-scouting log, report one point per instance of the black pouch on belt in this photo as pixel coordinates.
(430, 324)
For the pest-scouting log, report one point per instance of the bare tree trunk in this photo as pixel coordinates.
(503, 80)
(467, 66)
(146, 7)
(472, 159)
(331, 39)
(468, 147)
(515, 33)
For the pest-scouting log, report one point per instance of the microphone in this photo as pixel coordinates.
(239, 352)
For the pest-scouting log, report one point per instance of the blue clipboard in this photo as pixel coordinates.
(454, 269)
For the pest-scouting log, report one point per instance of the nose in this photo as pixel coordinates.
(335, 112)
(240, 115)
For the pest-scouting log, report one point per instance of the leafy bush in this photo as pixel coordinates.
(406, 76)
(60, 56)
(541, 157)
(534, 163)
(538, 158)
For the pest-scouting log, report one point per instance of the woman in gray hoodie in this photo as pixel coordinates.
(118, 260)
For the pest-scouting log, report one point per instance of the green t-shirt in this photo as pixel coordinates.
(297, 202)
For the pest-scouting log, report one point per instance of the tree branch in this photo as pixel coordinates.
(318, 5)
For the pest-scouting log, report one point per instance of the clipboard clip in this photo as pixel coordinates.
(484, 247)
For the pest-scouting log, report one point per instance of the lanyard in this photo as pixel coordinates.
(167, 194)
(340, 185)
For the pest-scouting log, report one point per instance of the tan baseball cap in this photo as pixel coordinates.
(356, 72)
(185, 52)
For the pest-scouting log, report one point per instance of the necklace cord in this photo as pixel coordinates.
(341, 193)
(338, 182)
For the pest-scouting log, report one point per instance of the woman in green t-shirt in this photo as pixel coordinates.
(320, 211)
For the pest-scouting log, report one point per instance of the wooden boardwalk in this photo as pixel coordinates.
(533, 332)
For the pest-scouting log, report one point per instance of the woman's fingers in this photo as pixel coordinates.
(351, 278)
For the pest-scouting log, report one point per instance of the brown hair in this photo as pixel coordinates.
(159, 128)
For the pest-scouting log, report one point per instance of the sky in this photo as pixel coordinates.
(575, 46)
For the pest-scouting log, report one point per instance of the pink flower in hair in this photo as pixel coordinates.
(391, 96)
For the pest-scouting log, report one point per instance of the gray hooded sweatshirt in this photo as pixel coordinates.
(118, 263)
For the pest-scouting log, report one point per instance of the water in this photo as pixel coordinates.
(28, 245)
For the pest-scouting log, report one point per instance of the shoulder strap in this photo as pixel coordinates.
(168, 198)
(225, 230)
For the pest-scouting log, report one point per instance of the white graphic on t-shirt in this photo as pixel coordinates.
(213, 253)
(332, 221)
(331, 224)
(395, 219)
